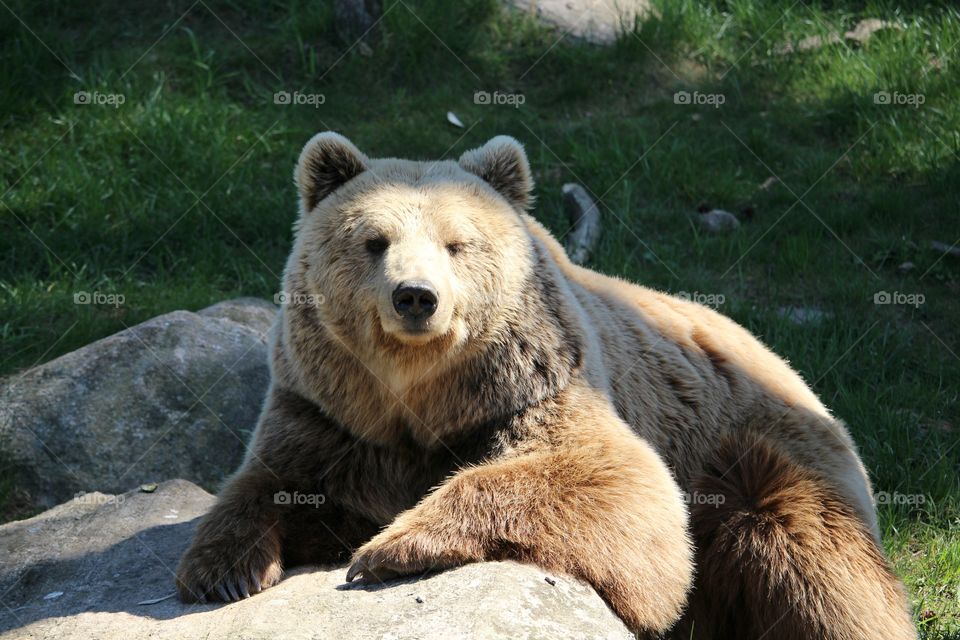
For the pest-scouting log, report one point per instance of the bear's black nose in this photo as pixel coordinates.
(415, 300)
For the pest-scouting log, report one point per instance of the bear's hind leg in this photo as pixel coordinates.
(781, 555)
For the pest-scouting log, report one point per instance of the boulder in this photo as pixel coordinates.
(102, 566)
(718, 221)
(804, 316)
(596, 21)
(176, 395)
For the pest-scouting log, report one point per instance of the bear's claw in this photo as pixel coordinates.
(368, 574)
(394, 553)
(203, 578)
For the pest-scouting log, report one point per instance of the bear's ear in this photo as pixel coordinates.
(503, 163)
(326, 162)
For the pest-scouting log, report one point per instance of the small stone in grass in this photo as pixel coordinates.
(866, 28)
(943, 247)
(718, 221)
(803, 316)
(768, 183)
(906, 267)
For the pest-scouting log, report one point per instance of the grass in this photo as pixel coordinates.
(182, 195)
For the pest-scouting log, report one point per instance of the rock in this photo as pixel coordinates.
(718, 221)
(803, 316)
(867, 27)
(597, 21)
(810, 43)
(769, 183)
(254, 312)
(952, 250)
(178, 394)
(860, 33)
(107, 554)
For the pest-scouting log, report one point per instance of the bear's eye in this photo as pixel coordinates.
(454, 248)
(376, 246)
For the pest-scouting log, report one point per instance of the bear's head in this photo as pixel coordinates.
(410, 260)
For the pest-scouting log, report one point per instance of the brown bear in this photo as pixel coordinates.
(449, 388)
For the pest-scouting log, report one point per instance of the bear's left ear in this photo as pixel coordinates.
(503, 164)
(327, 161)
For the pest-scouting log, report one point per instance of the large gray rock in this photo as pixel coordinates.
(175, 396)
(86, 568)
(597, 21)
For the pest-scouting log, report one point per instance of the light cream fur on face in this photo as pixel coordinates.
(438, 224)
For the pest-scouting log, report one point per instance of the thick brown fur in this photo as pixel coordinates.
(544, 413)
(780, 554)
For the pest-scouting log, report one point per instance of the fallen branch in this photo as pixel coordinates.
(584, 215)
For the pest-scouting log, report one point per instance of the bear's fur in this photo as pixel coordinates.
(542, 412)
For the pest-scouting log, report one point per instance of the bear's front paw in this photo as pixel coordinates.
(405, 551)
(226, 571)
(388, 556)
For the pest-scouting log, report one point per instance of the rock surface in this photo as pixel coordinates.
(598, 21)
(718, 221)
(946, 249)
(176, 395)
(84, 568)
(804, 316)
(859, 34)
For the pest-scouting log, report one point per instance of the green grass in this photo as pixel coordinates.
(97, 198)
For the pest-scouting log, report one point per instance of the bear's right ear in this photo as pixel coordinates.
(328, 161)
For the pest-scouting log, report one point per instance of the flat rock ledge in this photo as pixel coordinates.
(100, 566)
